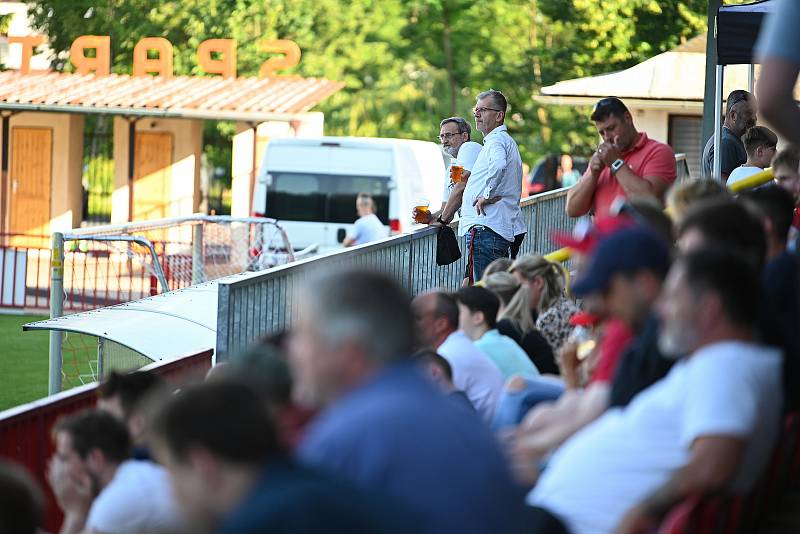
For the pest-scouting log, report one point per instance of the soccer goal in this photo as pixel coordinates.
(106, 265)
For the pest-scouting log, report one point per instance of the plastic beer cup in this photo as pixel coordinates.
(422, 213)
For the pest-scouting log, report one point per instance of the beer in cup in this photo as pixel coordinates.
(422, 212)
(456, 173)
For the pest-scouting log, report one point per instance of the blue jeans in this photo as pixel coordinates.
(512, 406)
(484, 246)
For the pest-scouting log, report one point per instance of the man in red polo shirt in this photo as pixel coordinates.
(627, 164)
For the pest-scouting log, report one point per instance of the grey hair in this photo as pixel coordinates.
(497, 97)
(364, 307)
(461, 123)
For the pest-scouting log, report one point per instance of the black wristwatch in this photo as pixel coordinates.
(439, 220)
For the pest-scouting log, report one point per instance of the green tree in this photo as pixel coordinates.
(405, 63)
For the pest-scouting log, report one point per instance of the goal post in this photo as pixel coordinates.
(105, 265)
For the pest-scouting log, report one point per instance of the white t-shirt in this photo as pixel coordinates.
(728, 388)
(467, 154)
(138, 499)
(367, 229)
(473, 372)
(740, 173)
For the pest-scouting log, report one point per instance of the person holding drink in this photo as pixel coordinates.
(454, 134)
(489, 199)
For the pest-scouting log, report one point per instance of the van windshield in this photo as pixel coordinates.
(294, 196)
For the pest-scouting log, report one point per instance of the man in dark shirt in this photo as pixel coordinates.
(440, 372)
(780, 282)
(740, 115)
(230, 475)
(641, 365)
(626, 270)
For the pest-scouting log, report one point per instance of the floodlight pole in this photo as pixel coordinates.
(56, 310)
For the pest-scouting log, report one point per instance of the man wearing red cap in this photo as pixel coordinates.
(626, 164)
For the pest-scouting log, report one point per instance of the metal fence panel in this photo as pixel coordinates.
(253, 305)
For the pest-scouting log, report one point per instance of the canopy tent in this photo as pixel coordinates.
(736, 32)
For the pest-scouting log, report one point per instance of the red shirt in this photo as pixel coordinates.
(616, 338)
(646, 158)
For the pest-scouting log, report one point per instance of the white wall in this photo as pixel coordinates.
(654, 122)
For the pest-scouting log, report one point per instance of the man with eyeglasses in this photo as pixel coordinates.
(454, 134)
(490, 214)
(627, 164)
(740, 116)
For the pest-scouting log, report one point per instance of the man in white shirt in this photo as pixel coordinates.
(490, 202)
(708, 426)
(99, 489)
(368, 227)
(759, 143)
(454, 133)
(436, 317)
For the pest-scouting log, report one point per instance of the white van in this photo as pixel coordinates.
(310, 185)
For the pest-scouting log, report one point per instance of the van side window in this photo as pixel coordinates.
(323, 197)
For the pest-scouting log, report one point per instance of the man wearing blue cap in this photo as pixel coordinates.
(626, 272)
(707, 427)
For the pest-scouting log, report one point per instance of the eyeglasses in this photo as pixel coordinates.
(446, 136)
(478, 111)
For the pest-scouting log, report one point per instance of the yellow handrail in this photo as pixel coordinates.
(759, 178)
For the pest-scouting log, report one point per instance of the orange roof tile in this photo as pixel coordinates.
(246, 99)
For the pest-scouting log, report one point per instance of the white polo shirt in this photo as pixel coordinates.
(497, 173)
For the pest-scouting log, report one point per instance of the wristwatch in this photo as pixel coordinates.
(617, 165)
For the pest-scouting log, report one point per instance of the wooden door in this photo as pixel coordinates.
(30, 174)
(152, 185)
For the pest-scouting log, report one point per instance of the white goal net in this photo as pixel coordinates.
(108, 265)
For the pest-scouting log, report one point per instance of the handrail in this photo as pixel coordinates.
(253, 304)
(759, 178)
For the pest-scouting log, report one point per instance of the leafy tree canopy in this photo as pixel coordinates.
(406, 63)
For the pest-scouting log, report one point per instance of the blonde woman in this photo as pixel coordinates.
(542, 290)
(517, 323)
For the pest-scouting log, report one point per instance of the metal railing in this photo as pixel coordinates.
(253, 305)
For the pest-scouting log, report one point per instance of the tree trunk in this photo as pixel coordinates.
(448, 55)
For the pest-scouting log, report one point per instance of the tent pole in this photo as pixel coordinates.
(717, 171)
(711, 63)
(751, 78)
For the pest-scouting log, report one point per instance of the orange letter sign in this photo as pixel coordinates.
(291, 56)
(226, 65)
(28, 42)
(162, 66)
(101, 63)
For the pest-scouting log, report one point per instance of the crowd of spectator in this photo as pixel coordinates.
(523, 403)
(538, 398)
